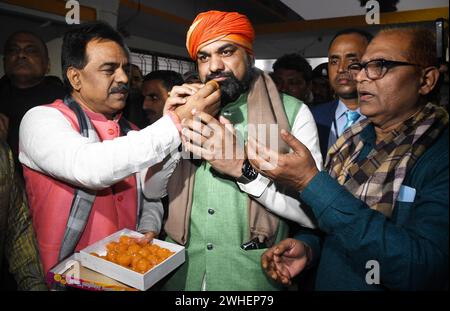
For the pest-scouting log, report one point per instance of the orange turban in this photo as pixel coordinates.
(215, 25)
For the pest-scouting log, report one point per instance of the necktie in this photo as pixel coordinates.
(352, 116)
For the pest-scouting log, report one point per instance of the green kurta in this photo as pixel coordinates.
(219, 225)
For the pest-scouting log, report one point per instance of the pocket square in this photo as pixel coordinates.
(406, 194)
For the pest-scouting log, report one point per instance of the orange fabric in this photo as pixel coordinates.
(215, 25)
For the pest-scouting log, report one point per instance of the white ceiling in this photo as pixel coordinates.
(319, 9)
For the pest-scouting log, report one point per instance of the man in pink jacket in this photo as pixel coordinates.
(80, 155)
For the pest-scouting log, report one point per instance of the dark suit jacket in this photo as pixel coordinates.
(324, 117)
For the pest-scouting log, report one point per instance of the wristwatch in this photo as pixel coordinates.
(248, 173)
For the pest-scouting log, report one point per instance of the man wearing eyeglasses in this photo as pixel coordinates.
(333, 118)
(382, 201)
(26, 85)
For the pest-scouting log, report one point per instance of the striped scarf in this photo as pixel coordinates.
(376, 179)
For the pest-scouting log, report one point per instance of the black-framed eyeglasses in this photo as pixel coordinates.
(376, 68)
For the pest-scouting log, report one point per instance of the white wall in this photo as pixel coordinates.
(266, 64)
(54, 53)
(106, 10)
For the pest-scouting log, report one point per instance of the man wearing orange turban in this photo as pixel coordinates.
(215, 25)
(221, 210)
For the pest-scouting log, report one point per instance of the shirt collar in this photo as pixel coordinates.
(342, 109)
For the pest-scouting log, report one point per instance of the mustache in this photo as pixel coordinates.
(346, 76)
(215, 75)
(121, 88)
(22, 62)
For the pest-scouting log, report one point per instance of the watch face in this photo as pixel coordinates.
(248, 171)
(254, 174)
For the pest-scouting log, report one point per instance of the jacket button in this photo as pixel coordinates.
(211, 211)
(209, 246)
(110, 131)
(120, 198)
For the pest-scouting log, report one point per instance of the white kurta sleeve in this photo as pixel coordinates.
(156, 178)
(151, 217)
(274, 197)
(49, 144)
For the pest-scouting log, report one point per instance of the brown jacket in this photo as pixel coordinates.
(17, 240)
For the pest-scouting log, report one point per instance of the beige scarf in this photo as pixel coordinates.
(264, 107)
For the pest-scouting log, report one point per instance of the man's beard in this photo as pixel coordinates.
(231, 88)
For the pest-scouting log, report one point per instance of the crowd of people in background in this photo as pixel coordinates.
(362, 171)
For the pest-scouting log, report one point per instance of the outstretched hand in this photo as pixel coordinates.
(285, 260)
